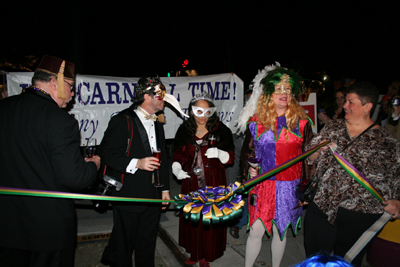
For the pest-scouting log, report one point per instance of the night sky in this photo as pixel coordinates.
(346, 40)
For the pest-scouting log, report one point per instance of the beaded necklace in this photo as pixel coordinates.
(36, 89)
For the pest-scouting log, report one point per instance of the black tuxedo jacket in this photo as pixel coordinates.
(39, 149)
(114, 148)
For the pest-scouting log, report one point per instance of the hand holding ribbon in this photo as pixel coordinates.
(392, 207)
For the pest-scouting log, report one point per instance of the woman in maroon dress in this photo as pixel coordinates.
(200, 165)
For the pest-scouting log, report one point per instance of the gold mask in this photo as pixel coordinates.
(283, 87)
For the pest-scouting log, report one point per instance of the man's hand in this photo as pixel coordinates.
(96, 159)
(165, 196)
(148, 164)
(392, 207)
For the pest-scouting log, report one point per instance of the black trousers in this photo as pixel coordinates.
(348, 227)
(133, 232)
(25, 258)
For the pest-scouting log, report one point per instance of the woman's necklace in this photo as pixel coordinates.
(198, 132)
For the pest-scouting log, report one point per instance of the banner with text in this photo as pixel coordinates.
(98, 98)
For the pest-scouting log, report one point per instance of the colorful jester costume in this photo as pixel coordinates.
(276, 196)
(275, 139)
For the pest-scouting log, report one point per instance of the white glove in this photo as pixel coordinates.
(178, 172)
(214, 152)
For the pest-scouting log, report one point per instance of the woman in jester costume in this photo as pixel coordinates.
(277, 129)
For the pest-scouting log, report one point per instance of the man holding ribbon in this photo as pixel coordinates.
(129, 142)
(39, 149)
(358, 177)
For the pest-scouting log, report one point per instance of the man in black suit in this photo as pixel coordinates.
(39, 149)
(128, 156)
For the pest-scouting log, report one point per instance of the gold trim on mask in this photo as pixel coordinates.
(283, 84)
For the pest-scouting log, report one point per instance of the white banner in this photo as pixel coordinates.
(98, 98)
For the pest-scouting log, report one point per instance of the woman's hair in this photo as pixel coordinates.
(367, 93)
(191, 122)
(267, 115)
(342, 90)
(324, 259)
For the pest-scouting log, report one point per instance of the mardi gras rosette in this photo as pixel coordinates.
(212, 204)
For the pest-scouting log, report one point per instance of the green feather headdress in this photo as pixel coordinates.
(274, 77)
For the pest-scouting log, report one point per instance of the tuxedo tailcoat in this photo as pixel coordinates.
(119, 146)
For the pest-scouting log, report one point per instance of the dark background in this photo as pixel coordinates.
(352, 39)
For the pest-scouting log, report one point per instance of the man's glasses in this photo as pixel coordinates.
(71, 85)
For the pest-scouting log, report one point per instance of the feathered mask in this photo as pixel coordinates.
(278, 75)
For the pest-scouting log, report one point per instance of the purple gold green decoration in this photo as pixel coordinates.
(212, 204)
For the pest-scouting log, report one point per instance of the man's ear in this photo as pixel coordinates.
(53, 85)
(147, 97)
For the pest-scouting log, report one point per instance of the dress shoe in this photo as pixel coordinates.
(234, 231)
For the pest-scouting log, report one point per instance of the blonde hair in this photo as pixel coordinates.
(267, 115)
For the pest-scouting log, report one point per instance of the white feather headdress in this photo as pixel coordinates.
(251, 105)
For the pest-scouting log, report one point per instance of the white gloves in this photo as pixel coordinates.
(178, 172)
(214, 152)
